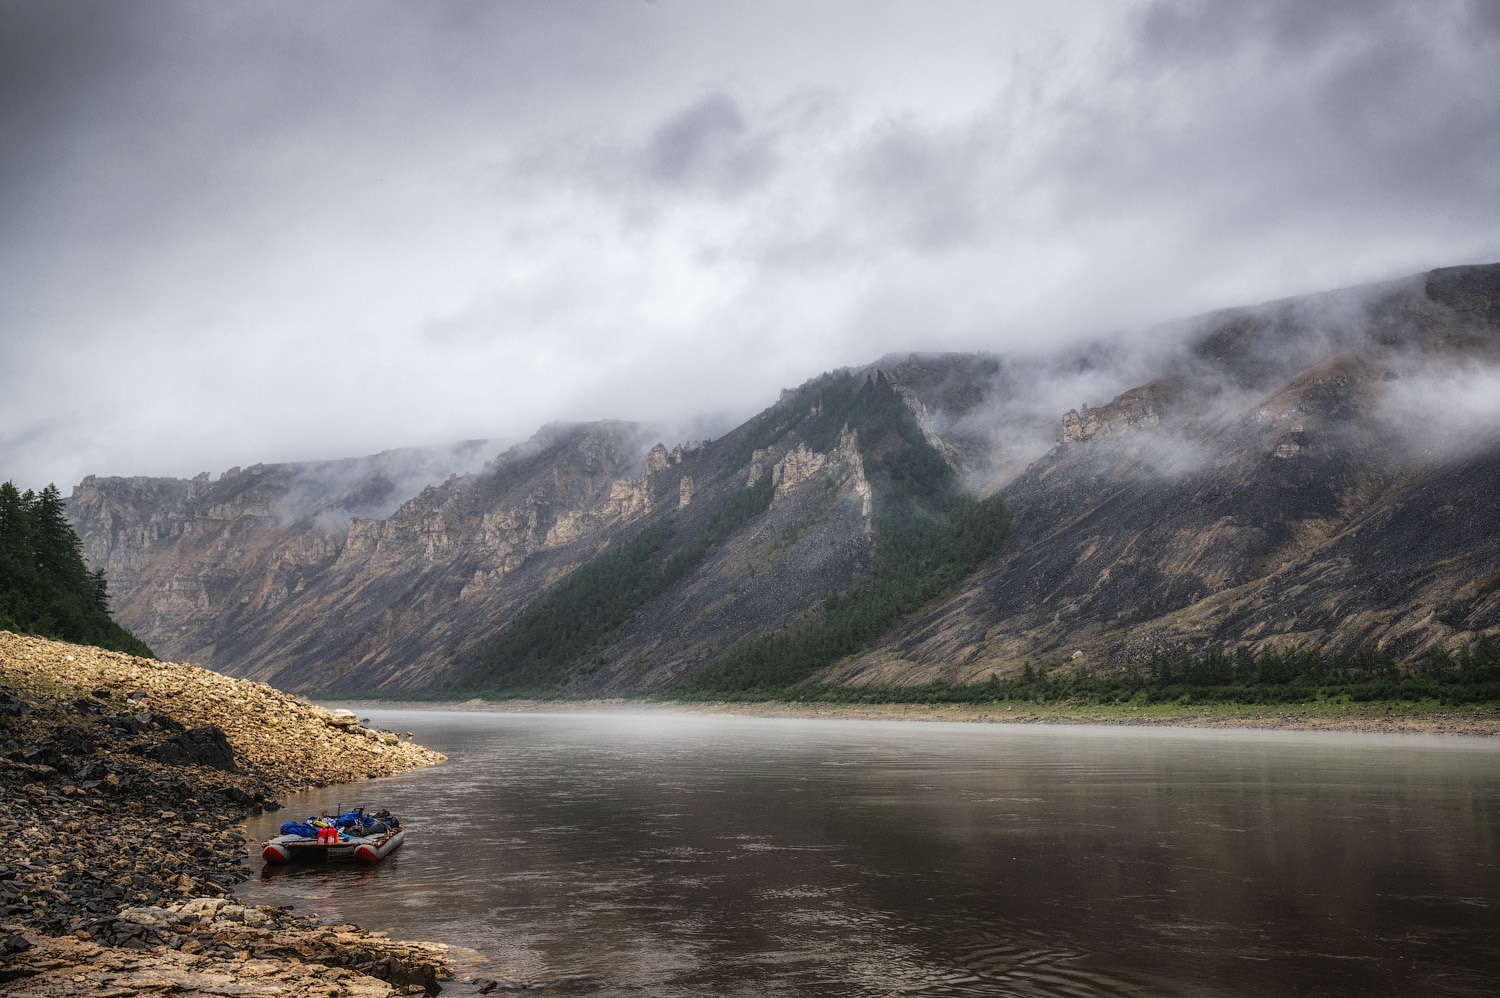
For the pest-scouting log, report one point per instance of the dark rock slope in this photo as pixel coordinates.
(1323, 471)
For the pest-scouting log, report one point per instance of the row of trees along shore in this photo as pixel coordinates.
(45, 587)
(1471, 675)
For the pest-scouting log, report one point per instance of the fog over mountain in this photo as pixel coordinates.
(277, 232)
(1315, 472)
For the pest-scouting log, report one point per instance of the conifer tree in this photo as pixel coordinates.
(16, 563)
(46, 588)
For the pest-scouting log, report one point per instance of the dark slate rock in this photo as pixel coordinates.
(74, 741)
(162, 722)
(128, 723)
(204, 746)
(47, 755)
(234, 795)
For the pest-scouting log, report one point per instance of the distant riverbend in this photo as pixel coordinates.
(683, 855)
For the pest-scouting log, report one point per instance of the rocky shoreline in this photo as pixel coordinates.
(120, 782)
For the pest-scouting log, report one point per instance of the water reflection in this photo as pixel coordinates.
(731, 856)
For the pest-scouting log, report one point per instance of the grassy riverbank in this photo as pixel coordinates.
(1377, 716)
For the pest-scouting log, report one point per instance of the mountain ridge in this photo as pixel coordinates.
(1257, 471)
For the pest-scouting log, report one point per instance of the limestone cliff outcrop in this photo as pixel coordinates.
(797, 467)
(1135, 409)
(848, 456)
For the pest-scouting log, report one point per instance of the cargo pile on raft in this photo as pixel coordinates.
(354, 835)
(121, 780)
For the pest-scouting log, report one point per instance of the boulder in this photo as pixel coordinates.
(151, 918)
(343, 719)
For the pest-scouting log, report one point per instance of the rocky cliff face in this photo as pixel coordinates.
(817, 535)
(1135, 409)
(255, 572)
(1321, 470)
(265, 574)
(184, 556)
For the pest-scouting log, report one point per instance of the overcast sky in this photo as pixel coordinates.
(247, 232)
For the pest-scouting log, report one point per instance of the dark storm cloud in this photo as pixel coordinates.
(930, 188)
(1352, 100)
(274, 231)
(1230, 115)
(707, 145)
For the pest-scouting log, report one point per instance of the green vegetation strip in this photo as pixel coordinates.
(1241, 677)
(45, 587)
(532, 653)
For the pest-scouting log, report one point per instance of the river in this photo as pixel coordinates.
(676, 855)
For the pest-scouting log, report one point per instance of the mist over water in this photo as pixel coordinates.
(671, 855)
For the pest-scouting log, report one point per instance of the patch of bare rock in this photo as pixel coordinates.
(120, 782)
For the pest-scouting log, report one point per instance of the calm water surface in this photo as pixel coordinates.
(672, 855)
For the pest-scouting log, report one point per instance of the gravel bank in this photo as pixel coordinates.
(120, 782)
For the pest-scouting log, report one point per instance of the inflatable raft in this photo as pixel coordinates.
(336, 838)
